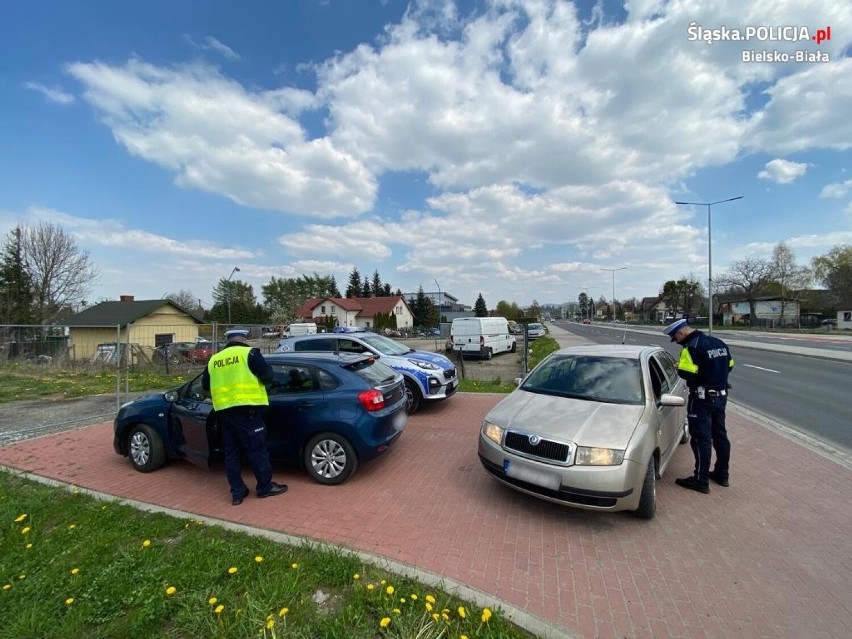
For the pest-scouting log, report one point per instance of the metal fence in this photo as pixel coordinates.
(113, 353)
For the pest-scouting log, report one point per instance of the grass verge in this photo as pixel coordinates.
(72, 566)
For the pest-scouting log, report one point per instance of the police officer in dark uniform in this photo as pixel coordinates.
(235, 377)
(705, 362)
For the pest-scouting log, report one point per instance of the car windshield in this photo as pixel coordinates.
(589, 377)
(385, 345)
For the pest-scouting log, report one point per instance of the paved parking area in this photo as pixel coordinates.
(771, 556)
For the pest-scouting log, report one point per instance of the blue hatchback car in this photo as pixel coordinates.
(428, 376)
(327, 412)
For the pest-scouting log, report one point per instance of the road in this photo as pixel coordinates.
(781, 378)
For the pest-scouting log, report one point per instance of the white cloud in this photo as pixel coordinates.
(212, 44)
(53, 95)
(837, 189)
(783, 171)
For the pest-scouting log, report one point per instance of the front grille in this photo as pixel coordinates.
(545, 449)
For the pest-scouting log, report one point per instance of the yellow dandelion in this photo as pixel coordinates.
(397, 611)
(294, 566)
(72, 526)
(171, 590)
(69, 601)
(486, 615)
(25, 530)
(435, 616)
(385, 622)
(356, 576)
(232, 570)
(75, 571)
(258, 559)
(413, 597)
(445, 611)
(445, 616)
(20, 518)
(28, 546)
(146, 543)
(463, 637)
(7, 586)
(103, 507)
(75, 490)
(218, 609)
(389, 590)
(402, 600)
(212, 601)
(22, 576)
(462, 612)
(428, 606)
(430, 599)
(384, 581)
(370, 586)
(270, 623)
(283, 612)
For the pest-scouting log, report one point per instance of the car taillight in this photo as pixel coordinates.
(482, 340)
(372, 400)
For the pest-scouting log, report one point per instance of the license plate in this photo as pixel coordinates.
(543, 478)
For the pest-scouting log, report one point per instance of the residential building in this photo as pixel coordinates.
(356, 311)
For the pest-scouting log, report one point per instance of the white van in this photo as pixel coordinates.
(483, 336)
(306, 328)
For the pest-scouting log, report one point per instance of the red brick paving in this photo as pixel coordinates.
(771, 556)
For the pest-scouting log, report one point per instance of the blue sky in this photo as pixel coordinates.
(514, 149)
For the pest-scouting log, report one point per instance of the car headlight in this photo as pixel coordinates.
(429, 366)
(586, 456)
(493, 432)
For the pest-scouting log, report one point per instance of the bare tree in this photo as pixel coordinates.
(790, 277)
(186, 299)
(751, 278)
(61, 272)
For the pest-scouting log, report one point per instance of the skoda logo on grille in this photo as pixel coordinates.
(535, 440)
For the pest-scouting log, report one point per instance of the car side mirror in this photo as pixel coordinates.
(672, 400)
(170, 396)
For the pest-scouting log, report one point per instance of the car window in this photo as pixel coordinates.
(606, 379)
(351, 346)
(327, 381)
(373, 371)
(385, 345)
(669, 365)
(659, 381)
(290, 378)
(321, 344)
(195, 392)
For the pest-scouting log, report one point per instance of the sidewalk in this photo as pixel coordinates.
(771, 556)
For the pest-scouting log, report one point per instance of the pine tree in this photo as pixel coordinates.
(354, 287)
(16, 285)
(479, 308)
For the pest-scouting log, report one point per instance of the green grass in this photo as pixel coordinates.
(72, 566)
(20, 383)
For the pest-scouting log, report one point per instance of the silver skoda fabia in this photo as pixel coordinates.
(591, 426)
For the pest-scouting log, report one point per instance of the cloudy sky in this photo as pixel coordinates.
(517, 149)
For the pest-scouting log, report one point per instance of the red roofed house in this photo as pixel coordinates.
(356, 311)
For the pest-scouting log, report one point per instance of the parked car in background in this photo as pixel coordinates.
(428, 376)
(184, 352)
(328, 412)
(536, 330)
(591, 426)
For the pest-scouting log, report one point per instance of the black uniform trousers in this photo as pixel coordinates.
(707, 432)
(244, 432)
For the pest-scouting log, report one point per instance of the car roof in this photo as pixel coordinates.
(317, 336)
(316, 356)
(610, 350)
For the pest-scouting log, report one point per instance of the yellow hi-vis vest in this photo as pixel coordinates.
(231, 381)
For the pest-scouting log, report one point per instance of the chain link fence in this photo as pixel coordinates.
(112, 353)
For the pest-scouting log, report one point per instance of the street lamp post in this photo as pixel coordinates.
(710, 253)
(235, 270)
(613, 270)
(440, 301)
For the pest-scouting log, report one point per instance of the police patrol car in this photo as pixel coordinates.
(428, 376)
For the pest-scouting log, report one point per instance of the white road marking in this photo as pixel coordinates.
(760, 368)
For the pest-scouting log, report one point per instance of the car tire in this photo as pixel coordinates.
(648, 501)
(145, 448)
(412, 397)
(330, 459)
(487, 353)
(514, 347)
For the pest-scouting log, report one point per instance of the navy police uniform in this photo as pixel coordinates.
(705, 363)
(235, 377)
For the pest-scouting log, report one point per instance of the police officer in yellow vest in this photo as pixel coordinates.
(235, 377)
(705, 363)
